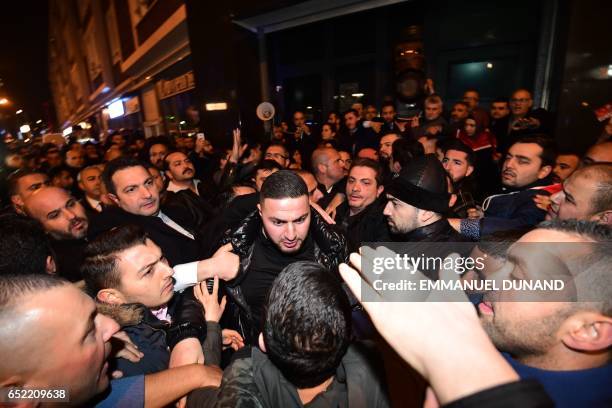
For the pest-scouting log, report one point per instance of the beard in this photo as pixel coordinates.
(526, 338)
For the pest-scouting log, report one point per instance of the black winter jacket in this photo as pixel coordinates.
(330, 250)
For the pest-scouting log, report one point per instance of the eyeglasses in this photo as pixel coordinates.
(275, 155)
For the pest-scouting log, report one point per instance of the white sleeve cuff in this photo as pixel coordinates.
(185, 275)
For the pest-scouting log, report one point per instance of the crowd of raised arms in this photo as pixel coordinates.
(160, 271)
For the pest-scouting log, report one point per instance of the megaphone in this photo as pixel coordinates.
(265, 111)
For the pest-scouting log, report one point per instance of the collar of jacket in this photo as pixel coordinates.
(546, 181)
(325, 238)
(428, 231)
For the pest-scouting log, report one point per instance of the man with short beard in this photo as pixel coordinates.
(134, 192)
(180, 170)
(64, 219)
(526, 172)
(565, 344)
(284, 229)
(22, 184)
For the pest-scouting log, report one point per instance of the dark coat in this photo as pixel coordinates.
(156, 338)
(370, 225)
(361, 138)
(254, 381)
(176, 247)
(513, 210)
(330, 250)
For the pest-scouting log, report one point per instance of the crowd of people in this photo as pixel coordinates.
(134, 270)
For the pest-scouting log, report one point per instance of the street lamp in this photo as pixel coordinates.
(19, 111)
(4, 101)
(24, 129)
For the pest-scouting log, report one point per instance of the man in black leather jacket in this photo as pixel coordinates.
(283, 230)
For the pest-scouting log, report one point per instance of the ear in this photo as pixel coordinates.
(320, 168)
(587, 331)
(169, 175)
(16, 200)
(470, 170)
(452, 200)
(425, 215)
(396, 167)
(12, 381)
(544, 171)
(81, 186)
(259, 209)
(113, 198)
(379, 191)
(262, 343)
(111, 296)
(50, 266)
(604, 217)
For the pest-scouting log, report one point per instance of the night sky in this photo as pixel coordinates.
(23, 57)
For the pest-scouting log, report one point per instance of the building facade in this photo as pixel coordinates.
(117, 64)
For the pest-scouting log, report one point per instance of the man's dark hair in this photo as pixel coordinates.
(14, 177)
(308, 324)
(461, 103)
(157, 140)
(353, 111)
(387, 103)
(549, 151)
(14, 287)
(99, 268)
(166, 164)
(268, 164)
(283, 184)
(405, 150)
(24, 245)
(281, 145)
(57, 171)
(47, 147)
(589, 229)
(501, 99)
(116, 165)
(456, 144)
(374, 165)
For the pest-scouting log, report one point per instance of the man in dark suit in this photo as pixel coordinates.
(90, 182)
(131, 187)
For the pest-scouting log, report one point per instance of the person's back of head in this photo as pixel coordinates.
(404, 151)
(25, 247)
(308, 324)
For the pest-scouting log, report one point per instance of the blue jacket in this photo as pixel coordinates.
(572, 389)
(513, 210)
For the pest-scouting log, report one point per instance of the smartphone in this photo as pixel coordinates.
(200, 136)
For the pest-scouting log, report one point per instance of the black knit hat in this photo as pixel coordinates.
(422, 184)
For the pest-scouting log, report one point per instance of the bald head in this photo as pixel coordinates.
(62, 341)
(60, 214)
(599, 153)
